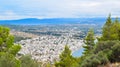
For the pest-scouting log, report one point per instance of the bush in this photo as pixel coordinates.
(116, 53)
(90, 61)
(26, 61)
(110, 48)
(8, 60)
(102, 57)
(104, 45)
(95, 60)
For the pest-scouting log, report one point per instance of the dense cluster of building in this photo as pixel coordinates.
(48, 47)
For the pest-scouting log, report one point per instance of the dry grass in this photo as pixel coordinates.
(111, 65)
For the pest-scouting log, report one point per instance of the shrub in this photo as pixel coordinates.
(26, 61)
(116, 53)
(8, 60)
(95, 60)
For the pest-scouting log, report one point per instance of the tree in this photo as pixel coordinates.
(111, 30)
(106, 50)
(89, 42)
(14, 49)
(8, 50)
(106, 33)
(66, 59)
(103, 46)
(115, 28)
(7, 41)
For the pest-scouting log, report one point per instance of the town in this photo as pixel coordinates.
(45, 43)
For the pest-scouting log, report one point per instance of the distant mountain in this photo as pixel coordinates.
(34, 21)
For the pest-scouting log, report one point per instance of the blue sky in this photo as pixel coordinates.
(17, 9)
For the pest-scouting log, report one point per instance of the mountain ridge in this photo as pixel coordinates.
(35, 21)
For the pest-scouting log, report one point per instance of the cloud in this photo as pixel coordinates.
(11, 9)
(9, 15)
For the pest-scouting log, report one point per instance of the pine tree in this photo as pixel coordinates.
(66, 59)
(8, 49)
(7, 41)
(111, 30)
(106, 50)
(115, 28)
(89, 42)
(106, 33)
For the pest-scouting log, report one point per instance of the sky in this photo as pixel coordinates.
(18, 9)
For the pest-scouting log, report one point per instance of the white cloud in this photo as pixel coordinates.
(8, 15)
(58, 8)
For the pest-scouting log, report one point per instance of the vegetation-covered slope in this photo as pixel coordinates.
(100, 54)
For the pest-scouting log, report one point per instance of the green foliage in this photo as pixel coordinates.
(111, 30)
(103, 46)
(103, 52)
(48, 65)
(102, 57)
(94, 60)
(4, 36)
(106, 50)
(8, 60)
(7, 41)
(66, 59)
(116, 52)
(89, 42)
(14, 49)
(26, 61)
(113, 33)
(7, 49)
(106, 29)
(110, 48)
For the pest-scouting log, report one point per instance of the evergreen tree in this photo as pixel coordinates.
(111, 30)
(7, 41)
(89, 42)
(7, 49)
(106, 50)
(66, 59)
(106, 33)
(115, 28)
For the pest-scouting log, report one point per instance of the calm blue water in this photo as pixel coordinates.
(78, 53)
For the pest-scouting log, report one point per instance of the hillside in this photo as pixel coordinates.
(34, 21)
